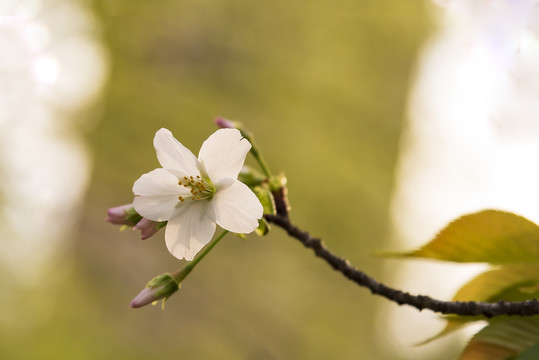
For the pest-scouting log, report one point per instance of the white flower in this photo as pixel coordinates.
(194, 195)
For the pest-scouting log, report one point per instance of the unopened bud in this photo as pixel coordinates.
(251, 177)
(160, 287)
(123, 215)
(224, 123)
(147, 228)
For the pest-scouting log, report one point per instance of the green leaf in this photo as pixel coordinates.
(502, 339)
(453, 324)
(508, 282)
(530, 354)
(489, 236)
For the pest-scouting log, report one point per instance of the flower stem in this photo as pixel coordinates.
(182, 274)
(254, 151)
(260, 161)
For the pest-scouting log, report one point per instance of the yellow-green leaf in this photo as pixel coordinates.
(502, 339)
(530, 354)
(500, 284)
(488, 236)
(453, 323)
(508, 282)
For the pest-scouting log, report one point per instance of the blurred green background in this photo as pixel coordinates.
(323, 86)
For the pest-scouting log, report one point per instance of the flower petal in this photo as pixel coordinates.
(237, 209)
(223, 154)
(173, 155)
(157, 182)
(191, 227)
(156, 208)
(156, 194)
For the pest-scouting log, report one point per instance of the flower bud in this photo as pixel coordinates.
(251, 177)
(147, 227)
(160, 287)
(265, 197)
(123, 215)
(224, 123)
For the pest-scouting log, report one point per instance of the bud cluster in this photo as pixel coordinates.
(127, 216)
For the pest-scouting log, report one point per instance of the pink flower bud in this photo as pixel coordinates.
(224, 123)
(160, 287)
(147, 228)
(120, 215)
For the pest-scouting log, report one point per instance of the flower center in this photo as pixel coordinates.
(199, 187)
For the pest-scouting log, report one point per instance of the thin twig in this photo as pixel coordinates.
(420, 302)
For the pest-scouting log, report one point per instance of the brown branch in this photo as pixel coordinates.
(420, 302)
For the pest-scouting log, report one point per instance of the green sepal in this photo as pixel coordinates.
(161, 281)
(251, 177)
(265, 197)
(132, 216)
(277, 182)
(160, 287)
(165, 285)
(161, 225)
(263, 227)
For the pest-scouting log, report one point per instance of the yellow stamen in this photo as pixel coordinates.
(199, 188)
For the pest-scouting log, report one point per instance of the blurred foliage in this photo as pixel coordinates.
(491, 236)
(323, 86)
(502, 339)
(530, 354)
(494, 237)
